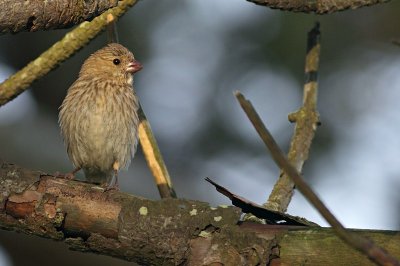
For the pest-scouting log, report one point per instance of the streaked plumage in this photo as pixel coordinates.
(98, 117)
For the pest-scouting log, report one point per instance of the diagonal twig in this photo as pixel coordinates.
(365, 246)
(59, 52)
(306, 119)
(148, 142)
(154, 158)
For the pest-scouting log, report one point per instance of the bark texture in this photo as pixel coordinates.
(165, 232)
(317, 6)
(33, 15)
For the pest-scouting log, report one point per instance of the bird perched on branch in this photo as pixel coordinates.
(99, 116)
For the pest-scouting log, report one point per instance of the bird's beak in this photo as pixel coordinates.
(134, 67)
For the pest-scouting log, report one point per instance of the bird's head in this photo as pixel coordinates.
(111, 62)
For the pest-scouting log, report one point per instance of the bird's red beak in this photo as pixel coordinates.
(134, 67)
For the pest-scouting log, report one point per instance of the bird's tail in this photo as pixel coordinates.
(97, 176)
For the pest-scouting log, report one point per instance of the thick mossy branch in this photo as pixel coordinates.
(307, 120)
(60, 51)
(29, 15)
(317, 6)
(322, 247)
(165, 232)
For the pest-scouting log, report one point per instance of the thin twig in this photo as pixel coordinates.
(307, 120)
(367, 247)
(154, 158)
(112, 33)
(148, 142)
(59, 52)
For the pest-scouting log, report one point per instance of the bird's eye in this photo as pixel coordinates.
(116, 61)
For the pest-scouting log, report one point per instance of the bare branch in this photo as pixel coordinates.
(317, 6)
(112, 33)
(373, 252)
(154, 158)
(306, 119)
(28, 15)
(59, 52)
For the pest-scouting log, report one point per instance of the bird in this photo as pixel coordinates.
(99, 116)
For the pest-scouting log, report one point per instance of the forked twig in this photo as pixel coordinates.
(307, 120)
(365, 246)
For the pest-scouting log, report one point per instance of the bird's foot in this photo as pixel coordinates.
(110, 187)
(114, 181)
(68, 176)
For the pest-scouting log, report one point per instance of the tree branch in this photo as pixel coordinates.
(320, 246)
(373, 252)
(28, 15)
(59, 52)
(165, 232)
(112, 33)
(154, 158)
(307, 120)
(316, 6)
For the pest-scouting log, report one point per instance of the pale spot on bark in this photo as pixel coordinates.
(193, 212)
(143, 211)
(218, 218)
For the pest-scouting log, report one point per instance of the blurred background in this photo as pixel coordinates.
(195, 54)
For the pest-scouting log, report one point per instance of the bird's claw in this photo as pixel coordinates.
(112, 187)
(68, 176)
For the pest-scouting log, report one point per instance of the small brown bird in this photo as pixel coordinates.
(98, 117)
